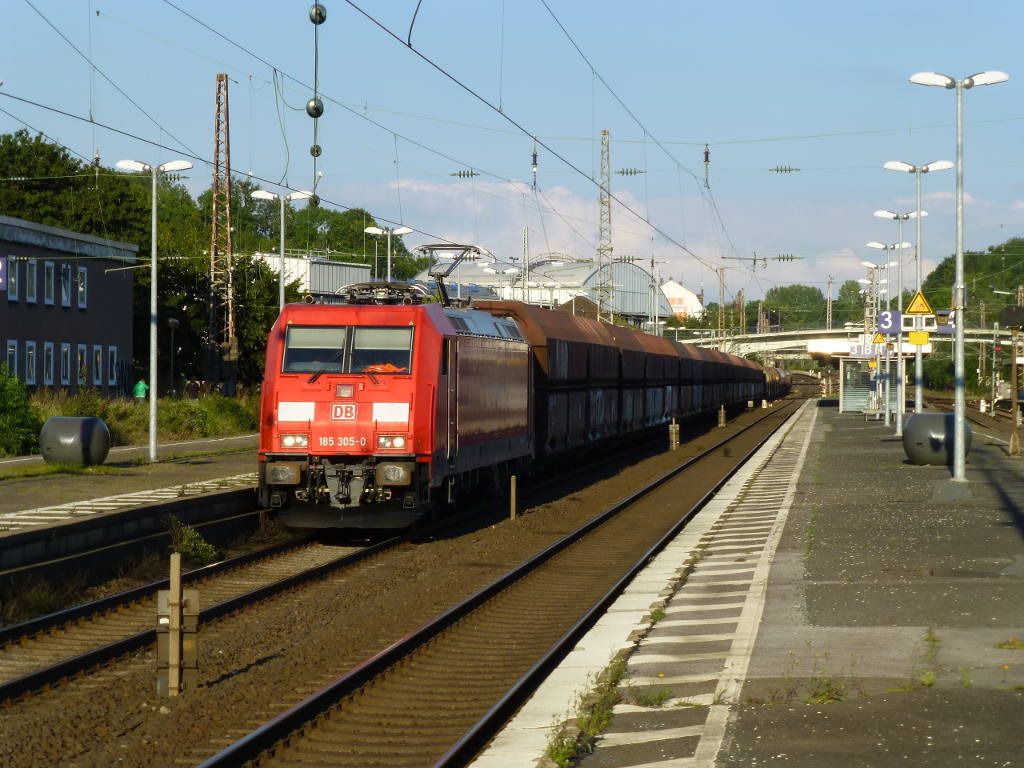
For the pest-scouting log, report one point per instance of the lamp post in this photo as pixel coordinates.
(389, 231)
(959, 299)
(902, 374)
(262, 194)
(871, 306)
(899, 333)
(169, 167)
(917, 170)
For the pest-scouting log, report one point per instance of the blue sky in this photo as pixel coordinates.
(819, 86)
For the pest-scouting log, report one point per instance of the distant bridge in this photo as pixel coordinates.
(821, 342)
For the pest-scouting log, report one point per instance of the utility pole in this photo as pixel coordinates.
(222, 341)
(604, 237)
(828, 305)
(721, 304)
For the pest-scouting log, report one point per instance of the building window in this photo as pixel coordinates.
(65, 285)
(30, 281)
(48, 286)
(48, 363)
(82, 286)
(112, 366)
(97, 365)
(12, 278)
(65, 364)
(12, 357)
(82, 365)
(30, 362)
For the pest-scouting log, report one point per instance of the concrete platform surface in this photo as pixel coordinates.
(126, 471)
(886, 607)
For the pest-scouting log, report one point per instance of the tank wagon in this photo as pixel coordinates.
(374, 415)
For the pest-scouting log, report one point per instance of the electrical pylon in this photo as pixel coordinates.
(222, 341)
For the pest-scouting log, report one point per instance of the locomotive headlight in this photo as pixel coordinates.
(391, 441)
(294, 441)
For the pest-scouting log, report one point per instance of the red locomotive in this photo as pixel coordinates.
(374, 413)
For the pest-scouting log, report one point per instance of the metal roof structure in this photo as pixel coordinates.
(552, 282)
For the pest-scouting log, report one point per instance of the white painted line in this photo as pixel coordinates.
(652, 736)
(658, 658)
(731, 683)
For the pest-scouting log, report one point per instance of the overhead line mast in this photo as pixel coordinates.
(222, 341)
(604, 237)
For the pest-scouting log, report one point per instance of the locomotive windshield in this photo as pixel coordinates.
(341, 349)
(382, 350)
(314, 349)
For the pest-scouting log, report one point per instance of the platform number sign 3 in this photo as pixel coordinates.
(889, 321)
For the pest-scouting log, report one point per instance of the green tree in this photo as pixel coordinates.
(797, 306)
(19, 421)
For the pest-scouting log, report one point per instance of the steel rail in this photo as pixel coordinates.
(264, 738)
(55, 673)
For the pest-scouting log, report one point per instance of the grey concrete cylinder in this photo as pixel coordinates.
(74, 440)
(928, 438)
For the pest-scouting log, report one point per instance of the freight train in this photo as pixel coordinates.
(379, 411)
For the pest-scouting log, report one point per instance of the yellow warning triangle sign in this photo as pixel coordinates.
(879, 339)
(919, 306)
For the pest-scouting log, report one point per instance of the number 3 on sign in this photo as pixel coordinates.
(889, 321)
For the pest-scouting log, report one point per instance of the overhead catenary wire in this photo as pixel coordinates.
(483, 100)
(204, 160)
(105, 77)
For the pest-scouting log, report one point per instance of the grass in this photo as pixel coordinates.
(1014, 644)
(652, 699)
(593, 713)
(825, 689)
(177, 418)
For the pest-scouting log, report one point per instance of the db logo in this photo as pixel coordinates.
(343, 411)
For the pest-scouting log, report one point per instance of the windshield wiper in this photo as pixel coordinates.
(323, 368)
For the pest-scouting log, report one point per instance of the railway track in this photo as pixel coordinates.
(44, 651)
(437, 695)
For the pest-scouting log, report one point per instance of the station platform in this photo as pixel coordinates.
(835, 605)
(126, 479)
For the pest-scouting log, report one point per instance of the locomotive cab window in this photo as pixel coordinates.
(382, 350)
(309, 350)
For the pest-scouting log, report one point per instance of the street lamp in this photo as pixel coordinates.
(959, 300)
(871, 302)
(899, 334)
(917, 170)
(135, 166)
(262, 194)
(389, 231)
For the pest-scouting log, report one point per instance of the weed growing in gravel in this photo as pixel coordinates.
(823, 690)
(965, 677)
(593, 714)
(651, 699)
(1014, 643)
(657, 615)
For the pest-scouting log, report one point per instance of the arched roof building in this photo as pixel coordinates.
(554, 280)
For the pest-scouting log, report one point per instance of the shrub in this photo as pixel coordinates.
(19, 421)
(190, 543)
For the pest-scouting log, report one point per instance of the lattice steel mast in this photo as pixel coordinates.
(222, 340)
(603, 289)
